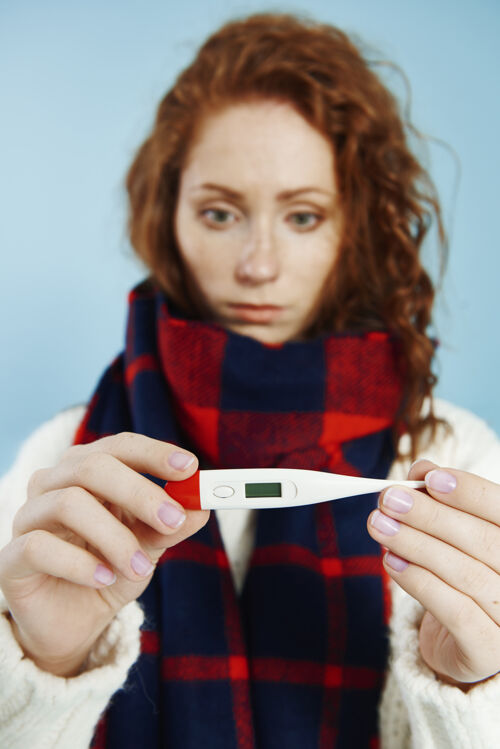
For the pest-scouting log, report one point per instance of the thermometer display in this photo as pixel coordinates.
(252, 491)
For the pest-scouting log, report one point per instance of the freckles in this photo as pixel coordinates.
(322, 259)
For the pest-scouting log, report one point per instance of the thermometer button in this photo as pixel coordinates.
(223, 492)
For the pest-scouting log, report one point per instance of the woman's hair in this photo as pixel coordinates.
(386, 198)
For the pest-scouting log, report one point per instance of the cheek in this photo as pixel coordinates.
(192, 248)
(315, 265)
(210, 258)
(199, 265)
(208, 265)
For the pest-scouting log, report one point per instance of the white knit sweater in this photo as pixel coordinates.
(39, 710)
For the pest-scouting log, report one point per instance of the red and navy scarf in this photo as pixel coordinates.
(297, 659)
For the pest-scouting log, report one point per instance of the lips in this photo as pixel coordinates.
(256, 313)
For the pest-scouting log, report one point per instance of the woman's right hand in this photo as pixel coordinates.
(88, 518)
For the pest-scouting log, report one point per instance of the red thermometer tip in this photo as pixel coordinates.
(186, 492)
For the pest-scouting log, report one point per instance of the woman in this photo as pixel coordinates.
(284, 323)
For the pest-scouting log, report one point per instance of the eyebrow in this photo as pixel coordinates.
(284, 195)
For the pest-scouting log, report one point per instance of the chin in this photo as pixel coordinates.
(267, 335)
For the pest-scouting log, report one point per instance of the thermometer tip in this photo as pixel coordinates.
(186, 492)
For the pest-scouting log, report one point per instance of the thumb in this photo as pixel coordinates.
(420, 468)
(430, 639)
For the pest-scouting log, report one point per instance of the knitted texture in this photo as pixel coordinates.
(297, 657)
(66, 701)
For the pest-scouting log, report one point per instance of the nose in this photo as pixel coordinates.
(258, 261)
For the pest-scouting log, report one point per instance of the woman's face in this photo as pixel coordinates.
(257, 221)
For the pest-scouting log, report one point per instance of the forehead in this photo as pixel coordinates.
(263, 140)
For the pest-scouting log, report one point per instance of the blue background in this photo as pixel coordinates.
(79, 87)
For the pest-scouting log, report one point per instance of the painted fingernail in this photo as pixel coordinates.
(104, 576)
(441, 481)
(141, 564)
(386, 525)
(180, 461)
(397, 499)
(395, 562)
(171, 515)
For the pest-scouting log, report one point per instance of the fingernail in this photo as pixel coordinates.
(441, 481)
(397, 499)
(180, 461)
(171, 515)
(104, 576)
(395, 562)
(141, 564)
(386, 525)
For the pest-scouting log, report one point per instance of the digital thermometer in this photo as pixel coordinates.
(259, 488)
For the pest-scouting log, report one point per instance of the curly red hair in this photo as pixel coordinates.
(387, 199)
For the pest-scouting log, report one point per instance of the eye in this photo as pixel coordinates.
(216, 216)
(306, 219)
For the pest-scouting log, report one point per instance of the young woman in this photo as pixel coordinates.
(283, 323)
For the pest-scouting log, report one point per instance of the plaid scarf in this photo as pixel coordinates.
(297, 660)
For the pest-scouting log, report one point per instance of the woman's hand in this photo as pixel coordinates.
(444, 550)
(86, 542)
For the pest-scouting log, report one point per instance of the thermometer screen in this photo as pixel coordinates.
(253, 491)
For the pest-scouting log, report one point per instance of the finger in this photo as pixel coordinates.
(140, 453)
(466, 575)
(465, 621)
(419, 468)
(474, 536)
(110, 480)
(155, 544)
(39, 552)
(466, 492)
(76, 510)
(143, 454)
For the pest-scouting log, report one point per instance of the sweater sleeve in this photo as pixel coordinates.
(38, 709)
(417, 709)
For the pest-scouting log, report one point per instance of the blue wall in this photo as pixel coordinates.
(80, 83)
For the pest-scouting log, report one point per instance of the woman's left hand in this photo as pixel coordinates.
(444, 550)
